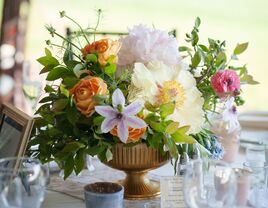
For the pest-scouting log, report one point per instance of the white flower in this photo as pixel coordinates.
(145, 44)
(158, 83)
(229, 115)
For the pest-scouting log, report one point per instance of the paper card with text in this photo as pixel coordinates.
(171, 192)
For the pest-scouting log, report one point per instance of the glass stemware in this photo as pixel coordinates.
(22, 182)
(209, 183)
(258, 184)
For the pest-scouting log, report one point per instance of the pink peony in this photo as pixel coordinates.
(144, 44)
(225, 82)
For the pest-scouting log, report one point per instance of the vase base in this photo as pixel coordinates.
(149, 190)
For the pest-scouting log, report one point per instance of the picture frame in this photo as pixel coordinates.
(15, 130)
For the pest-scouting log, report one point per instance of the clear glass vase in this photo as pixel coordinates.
(225, 125)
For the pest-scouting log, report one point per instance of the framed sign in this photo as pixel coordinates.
(15, 129)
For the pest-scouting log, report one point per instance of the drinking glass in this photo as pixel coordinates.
(22, 182)
(255, 154)
(258, 184)
(209, 183)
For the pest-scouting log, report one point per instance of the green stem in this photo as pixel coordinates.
(52, 44)
(68, 41)
(81, 29)
(98, 22)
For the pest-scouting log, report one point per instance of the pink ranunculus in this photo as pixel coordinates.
(225, 82)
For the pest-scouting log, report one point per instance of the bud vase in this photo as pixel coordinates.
(228, 135)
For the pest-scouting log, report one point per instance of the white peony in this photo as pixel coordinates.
(158, 83)
(144, 44)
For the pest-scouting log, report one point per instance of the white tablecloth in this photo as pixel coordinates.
(58, 200)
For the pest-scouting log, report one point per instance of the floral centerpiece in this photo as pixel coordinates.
(142, 88)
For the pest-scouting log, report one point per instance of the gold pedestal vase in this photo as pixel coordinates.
(136, 161)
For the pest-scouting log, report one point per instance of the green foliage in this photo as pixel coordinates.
(210, 58)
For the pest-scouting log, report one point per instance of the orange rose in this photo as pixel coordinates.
(84, 91)
(134, 134)
(105, 48)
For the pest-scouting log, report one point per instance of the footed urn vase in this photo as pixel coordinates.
(136, 161)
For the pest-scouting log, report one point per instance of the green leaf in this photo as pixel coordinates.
(47, 51)
(79, 161)
(46, 69)
(49, 89)
(72, 115)
(167, 109)
(150, 107)
(197, 22)
(64, 91)
(48, 60)
(172, 148)
(95, 150)
(70, 81)
(69, 167)
(240, 48)
(155, 140)
(67, 56)
(110, 69)
(196, 60)
(46, 99)
(194, 38)
(56, 73)
(211, 42)
(73, 147)
(203, 47)
(53, 132)
(183, 138)
(172, 127)
(60, 104)
(184, 48)
(71, 64)
(157, 126)
(109, 155)
(100, 98)
(97, 121)
(221, 58)
(249, 79)
(183, 129)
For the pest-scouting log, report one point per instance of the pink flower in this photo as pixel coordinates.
(225, 82)
(120, 116)
(144, 44)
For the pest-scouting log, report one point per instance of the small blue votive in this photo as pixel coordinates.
(104, 195)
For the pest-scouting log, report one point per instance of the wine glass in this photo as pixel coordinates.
(22, 182)
(209, 183)
(258, 184)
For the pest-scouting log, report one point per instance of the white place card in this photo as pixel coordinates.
(171, 192)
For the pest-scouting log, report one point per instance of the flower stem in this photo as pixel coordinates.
(68, 41)
(52, 44)
(81, 29)
(97, 24)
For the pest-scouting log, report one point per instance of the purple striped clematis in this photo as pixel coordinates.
(120, 116)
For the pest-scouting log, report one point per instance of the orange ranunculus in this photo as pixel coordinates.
(84, 91)
(134, 134)
(105, 48)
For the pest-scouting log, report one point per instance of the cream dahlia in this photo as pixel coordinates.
(158, 83)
